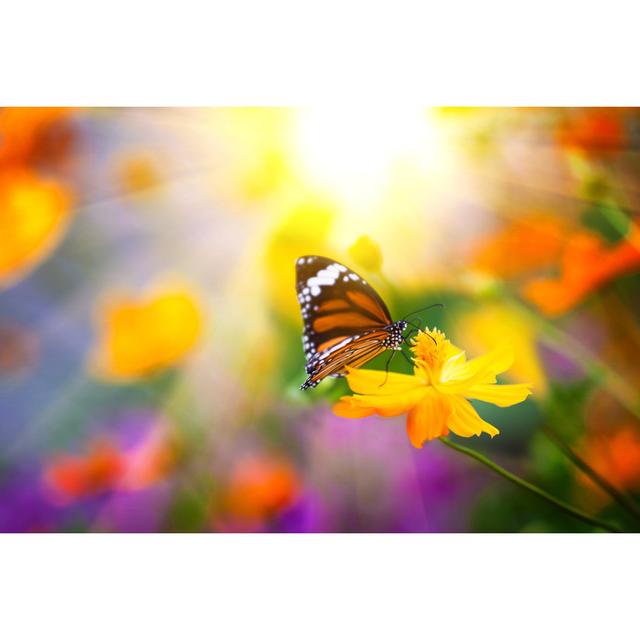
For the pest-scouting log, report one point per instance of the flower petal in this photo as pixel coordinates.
(370, 381)
(457, 376)
(358, 406)
(503, 395)
(428, 419)
(464, 421)
(347, 408)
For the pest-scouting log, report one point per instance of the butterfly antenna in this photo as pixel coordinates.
(431, 306)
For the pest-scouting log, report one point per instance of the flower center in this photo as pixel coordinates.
(428, 348)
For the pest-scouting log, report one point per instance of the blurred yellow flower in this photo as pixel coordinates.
(34, 213)
(138, 173)
(270, 172)
(140, 337)
(435, 396)
(494, 324)
(366, 253)
(304, 231)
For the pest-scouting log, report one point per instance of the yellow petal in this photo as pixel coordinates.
(464, 421)
(391, 405)
(370, 381)
(458, 376)
(503, 395)
(428, 419)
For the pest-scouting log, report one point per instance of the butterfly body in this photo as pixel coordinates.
(346, 323)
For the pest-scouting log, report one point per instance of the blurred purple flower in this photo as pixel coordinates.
(24, 505)
(369, 478)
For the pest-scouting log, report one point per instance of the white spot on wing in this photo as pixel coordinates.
(320, 282)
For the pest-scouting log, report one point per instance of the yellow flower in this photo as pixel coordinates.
(491, 325)
(34, 213)
(304, 230)
(435, 397)
(138, 173)
(141, 337)
(366, 253)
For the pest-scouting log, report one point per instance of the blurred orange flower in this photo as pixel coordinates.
(615, 456)
(587, 263)
(435, 396)
(34, 213)
(260, 487)
(594, 130)
(531, 242)
(108, 467)
(140, 337)
(23, 132)
(74, 477)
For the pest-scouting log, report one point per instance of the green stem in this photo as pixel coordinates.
(560, 504)
(623, 500)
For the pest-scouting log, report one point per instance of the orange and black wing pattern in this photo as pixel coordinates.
(346, 323)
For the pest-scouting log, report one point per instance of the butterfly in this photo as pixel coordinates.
(346, 323)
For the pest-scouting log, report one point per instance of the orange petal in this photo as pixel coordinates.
(347, 408)
(428, 419)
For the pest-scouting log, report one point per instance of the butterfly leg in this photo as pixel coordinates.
(407, 358)
(386, 368)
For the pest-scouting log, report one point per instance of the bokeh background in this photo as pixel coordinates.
(150, 339)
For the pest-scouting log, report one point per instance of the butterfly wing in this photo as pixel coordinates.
(345, 321)
(350, 352)
(336, 304)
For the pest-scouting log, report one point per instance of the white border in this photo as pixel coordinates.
(318, 586)
(253, 52)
